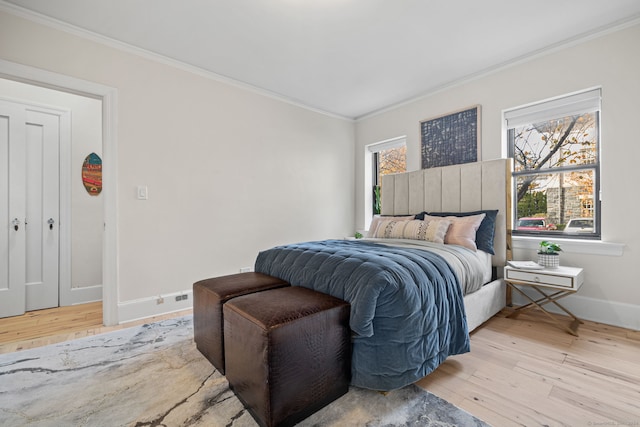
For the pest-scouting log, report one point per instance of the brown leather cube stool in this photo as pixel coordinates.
(208, 297)
(288, 352)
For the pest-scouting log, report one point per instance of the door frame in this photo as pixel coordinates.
(109, 97)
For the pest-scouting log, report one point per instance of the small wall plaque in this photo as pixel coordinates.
(92, 174)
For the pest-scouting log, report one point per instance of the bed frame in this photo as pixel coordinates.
(460, 188)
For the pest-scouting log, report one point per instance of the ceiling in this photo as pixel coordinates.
(349, 58)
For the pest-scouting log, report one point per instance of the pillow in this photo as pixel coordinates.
(486, 231)
(376, 221)
(462, 230)
(431, 230)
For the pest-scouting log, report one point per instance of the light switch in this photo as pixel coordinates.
(143, 192)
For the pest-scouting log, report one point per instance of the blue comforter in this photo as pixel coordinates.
(407, 311)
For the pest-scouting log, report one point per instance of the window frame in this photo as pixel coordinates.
(371, 167)
(588, 101)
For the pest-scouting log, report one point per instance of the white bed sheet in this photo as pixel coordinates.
(473, 268)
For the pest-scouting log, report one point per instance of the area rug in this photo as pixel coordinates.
(153, 375)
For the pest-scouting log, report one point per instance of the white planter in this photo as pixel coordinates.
(549, 260)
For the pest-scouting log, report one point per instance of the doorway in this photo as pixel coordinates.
(108, 96)
(55, 237)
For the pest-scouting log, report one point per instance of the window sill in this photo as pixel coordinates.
(591, 247)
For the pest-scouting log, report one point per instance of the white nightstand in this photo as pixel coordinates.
(552, 284)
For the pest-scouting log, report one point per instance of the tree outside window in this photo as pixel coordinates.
(387, 161)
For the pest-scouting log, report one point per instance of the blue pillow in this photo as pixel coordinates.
(484, 234)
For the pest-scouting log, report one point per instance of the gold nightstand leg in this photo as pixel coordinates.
(573, 327)
(553, 298)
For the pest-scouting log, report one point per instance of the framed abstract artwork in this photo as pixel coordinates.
(451, 139)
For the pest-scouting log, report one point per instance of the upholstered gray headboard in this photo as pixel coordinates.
(458, 188)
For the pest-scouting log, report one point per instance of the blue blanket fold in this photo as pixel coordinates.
(406, 304)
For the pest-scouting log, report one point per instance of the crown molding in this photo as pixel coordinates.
(125, 47)
(56, 24)
(556, 47)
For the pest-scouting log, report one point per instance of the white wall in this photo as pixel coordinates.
(230, 172)
(86, 211)
(610, 293)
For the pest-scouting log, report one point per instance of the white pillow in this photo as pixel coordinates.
(462, 230)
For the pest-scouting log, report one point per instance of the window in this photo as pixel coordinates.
(387, 157)
(555, 145)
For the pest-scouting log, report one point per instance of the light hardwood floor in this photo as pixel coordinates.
(50, 326)
(529, 372)
(520, 372)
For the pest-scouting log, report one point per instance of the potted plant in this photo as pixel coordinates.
(549, 254)
(377, 203)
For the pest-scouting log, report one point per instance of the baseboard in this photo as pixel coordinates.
(607, 312)
(82, 295)
(596, 310)
(129, 311)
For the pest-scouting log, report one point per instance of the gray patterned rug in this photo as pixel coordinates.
(152, 375)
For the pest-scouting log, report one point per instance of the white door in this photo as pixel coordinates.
(42, 210)
(30, 152)
(12, 214)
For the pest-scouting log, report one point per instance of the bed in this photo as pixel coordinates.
(413, 299)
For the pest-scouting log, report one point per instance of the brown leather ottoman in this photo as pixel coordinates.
(208, 297)
(288, 352)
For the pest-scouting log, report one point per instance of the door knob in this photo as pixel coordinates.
(51, 222)
(15, 223)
